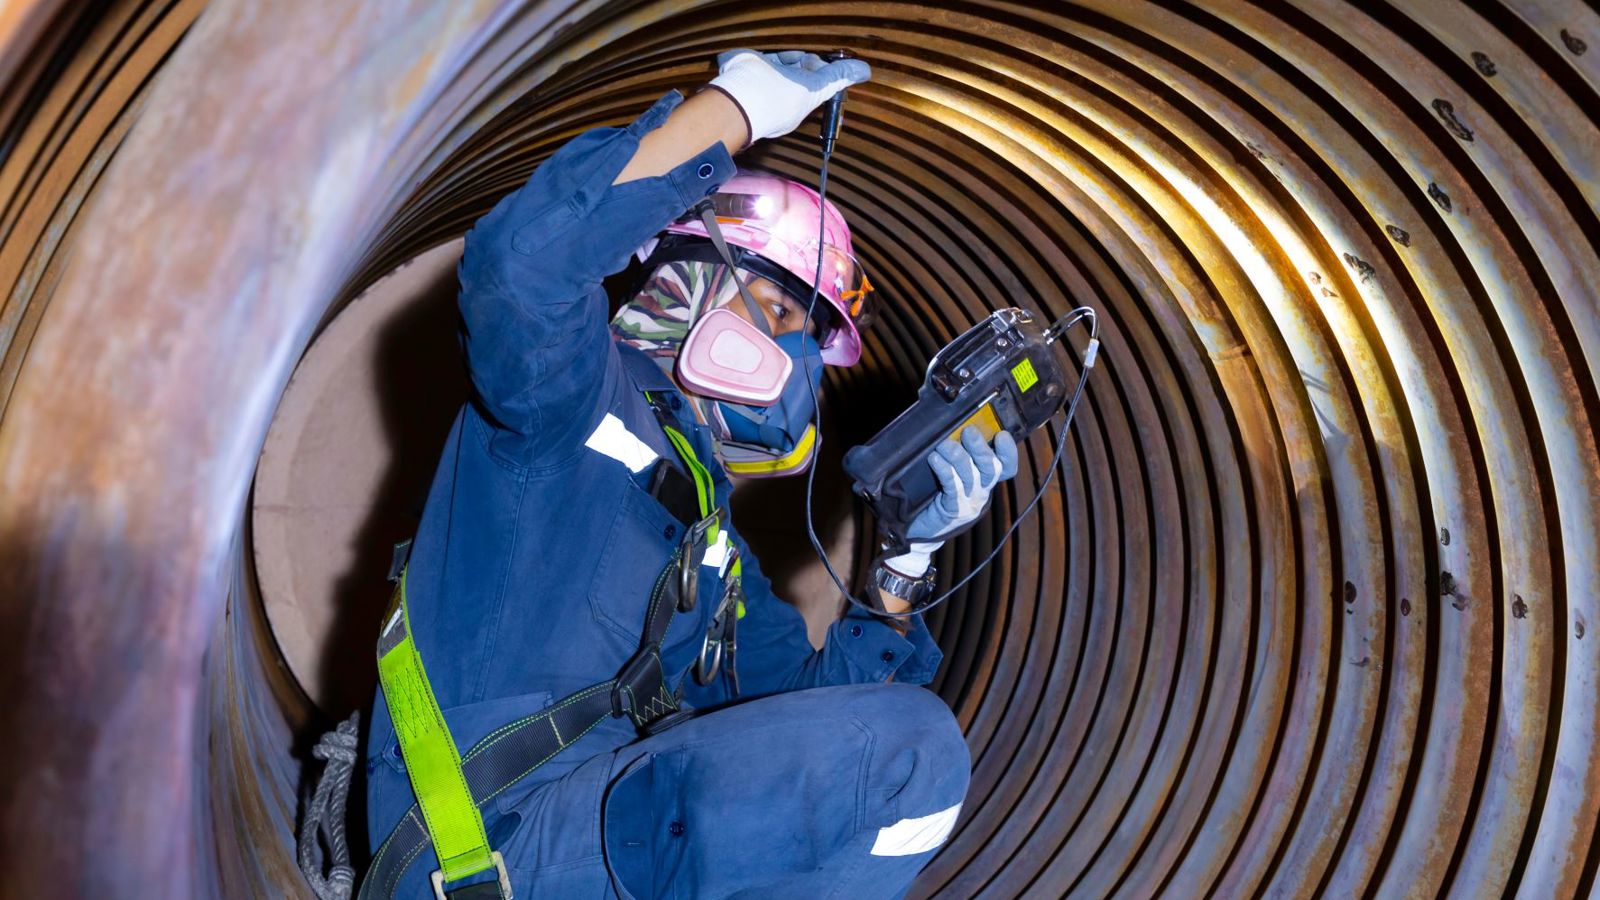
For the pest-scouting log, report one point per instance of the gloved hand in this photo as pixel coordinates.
(777, 91)
(967, 473)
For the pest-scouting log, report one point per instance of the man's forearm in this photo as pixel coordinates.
(707, 116)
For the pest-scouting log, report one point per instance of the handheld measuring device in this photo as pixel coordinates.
(1003, 374)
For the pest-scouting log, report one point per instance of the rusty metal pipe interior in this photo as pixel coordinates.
(1308, 611)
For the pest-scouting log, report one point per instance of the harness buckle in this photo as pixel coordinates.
(640, 692)
(675, 717)
(398, 559)
(483, 890)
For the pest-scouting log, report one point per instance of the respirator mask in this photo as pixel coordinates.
(746, 385)
(770, 440)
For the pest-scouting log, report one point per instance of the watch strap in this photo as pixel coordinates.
(912, 590)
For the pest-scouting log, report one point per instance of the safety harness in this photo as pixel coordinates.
(451, 788)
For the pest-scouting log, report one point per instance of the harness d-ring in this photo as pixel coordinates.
(688, 577)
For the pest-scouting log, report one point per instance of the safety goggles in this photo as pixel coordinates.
(856, 293)
(857, 296)
(850, 282)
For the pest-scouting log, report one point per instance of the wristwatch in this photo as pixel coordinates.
(911, 590)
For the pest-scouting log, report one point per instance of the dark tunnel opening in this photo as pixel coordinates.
(1304, 612)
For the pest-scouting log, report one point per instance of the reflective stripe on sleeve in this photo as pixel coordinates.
(613, 439)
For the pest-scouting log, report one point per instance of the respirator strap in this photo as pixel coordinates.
(708, 217)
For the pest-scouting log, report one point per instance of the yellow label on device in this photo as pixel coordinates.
(1024, 374)
(984, 420)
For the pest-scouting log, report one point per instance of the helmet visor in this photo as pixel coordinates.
(840, 270)
(766, 228)
(857, 298)
(846, 290)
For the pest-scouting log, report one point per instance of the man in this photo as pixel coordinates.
(572, 556)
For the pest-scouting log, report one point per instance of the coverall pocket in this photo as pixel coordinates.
(642, 539)
(556, 835)
(544, 227)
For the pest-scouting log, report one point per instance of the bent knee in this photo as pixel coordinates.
(921, 717)
(920, 759)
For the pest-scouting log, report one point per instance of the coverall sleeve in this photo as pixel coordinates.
(775, 655)
(540, 355)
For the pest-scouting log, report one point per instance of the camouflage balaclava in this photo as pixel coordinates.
(657, 319)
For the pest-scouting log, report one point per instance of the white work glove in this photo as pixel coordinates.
(967, 473)
(777, 91)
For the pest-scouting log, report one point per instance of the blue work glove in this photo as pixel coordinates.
(967, 473)
(777, 91)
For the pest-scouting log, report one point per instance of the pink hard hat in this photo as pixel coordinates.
(777, 221)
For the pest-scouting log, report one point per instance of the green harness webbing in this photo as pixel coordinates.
(704, 491)
(451, 789)
(432, 761)
(704, 488)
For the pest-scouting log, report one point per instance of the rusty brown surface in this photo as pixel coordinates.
(1309, 609)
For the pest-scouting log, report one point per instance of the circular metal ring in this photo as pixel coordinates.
(702, 673)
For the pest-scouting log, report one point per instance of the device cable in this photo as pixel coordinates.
(1065, 323)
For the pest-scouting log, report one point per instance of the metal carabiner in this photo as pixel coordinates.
(689, 551)
(720, 635)
(688, 578)
(704, 672)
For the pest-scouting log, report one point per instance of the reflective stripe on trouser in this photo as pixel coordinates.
(831, 792)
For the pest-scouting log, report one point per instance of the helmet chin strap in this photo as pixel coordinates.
(708, 217)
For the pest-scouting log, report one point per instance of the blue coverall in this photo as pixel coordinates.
(532, 567)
